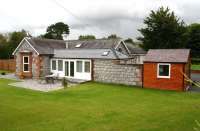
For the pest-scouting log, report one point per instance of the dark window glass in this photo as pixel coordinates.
(60, 65)
(79, 65)
(25, 67)
(53, 64)
(66, 68)
(163, 70)
(87, 67)
(72, 68)
(26, 60)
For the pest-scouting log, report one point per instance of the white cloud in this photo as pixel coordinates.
(99, 17)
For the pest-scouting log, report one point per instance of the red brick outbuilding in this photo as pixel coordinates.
(165, 69)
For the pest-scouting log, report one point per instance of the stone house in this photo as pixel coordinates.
(103, 60)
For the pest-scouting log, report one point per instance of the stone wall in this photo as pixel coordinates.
(111, 71)
(45, 65)
(25, 48)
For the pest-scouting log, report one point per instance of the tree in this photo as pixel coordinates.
(55, 31)
(129, 40)
(194, 39)
(86, 37)
(3, 39)
(163, 30)
(3, 46)
(13, 40)
(113, 36)
(9, 42)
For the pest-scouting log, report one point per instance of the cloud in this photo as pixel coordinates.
(98, 17)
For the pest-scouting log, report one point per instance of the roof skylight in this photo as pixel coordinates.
(78, 45)
(105, 53)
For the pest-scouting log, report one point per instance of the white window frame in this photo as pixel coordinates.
(56, 64)
(81, 66)
(158, 65)
(26, 63)
(57, 68)
(84, 66)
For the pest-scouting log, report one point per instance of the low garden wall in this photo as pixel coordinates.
(7, 64)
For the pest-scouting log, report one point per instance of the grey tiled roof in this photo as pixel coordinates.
(89, 53)
(46, 46)
(168, 55)
(93, 44)
(135, 49)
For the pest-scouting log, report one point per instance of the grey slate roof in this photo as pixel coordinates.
(135, 49)
(89, 53)
(168, 55)
(93, 44)
(46, 46)
(49, 46)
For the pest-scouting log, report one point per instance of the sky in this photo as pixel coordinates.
(97, 17)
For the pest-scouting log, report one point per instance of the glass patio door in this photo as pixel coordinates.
(69, 68)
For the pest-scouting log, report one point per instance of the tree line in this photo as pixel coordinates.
(162, 30)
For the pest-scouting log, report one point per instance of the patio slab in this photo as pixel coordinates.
(36, 85)
(9, 76)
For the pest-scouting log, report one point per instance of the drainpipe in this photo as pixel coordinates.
(143, 75)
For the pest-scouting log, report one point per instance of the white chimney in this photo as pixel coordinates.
(64, 36)
(65, 39)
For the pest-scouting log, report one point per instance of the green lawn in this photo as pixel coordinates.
(195, 67)
(1, 71)
(97, 107)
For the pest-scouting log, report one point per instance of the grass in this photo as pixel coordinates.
(195, 67)
(97, 107)
(6, 71)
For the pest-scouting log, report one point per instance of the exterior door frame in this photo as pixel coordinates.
(69, 68)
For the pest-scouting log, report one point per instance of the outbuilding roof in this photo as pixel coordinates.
(89, 54)
(168, 55)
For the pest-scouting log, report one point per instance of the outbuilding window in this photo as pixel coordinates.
(25, 63)
(163, 70)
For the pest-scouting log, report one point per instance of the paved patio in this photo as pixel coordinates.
(9, 76)
(37, 85)
(33, 84)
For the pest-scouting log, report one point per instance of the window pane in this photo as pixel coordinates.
(79, 66)
(163, 70)
(87, 66)
(25, 59)
(60, 65)
(66, 68)
(53, 64)
(71, 68)
(25, 67)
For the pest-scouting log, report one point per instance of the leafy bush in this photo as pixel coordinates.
(3, 73)
(195, 61)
